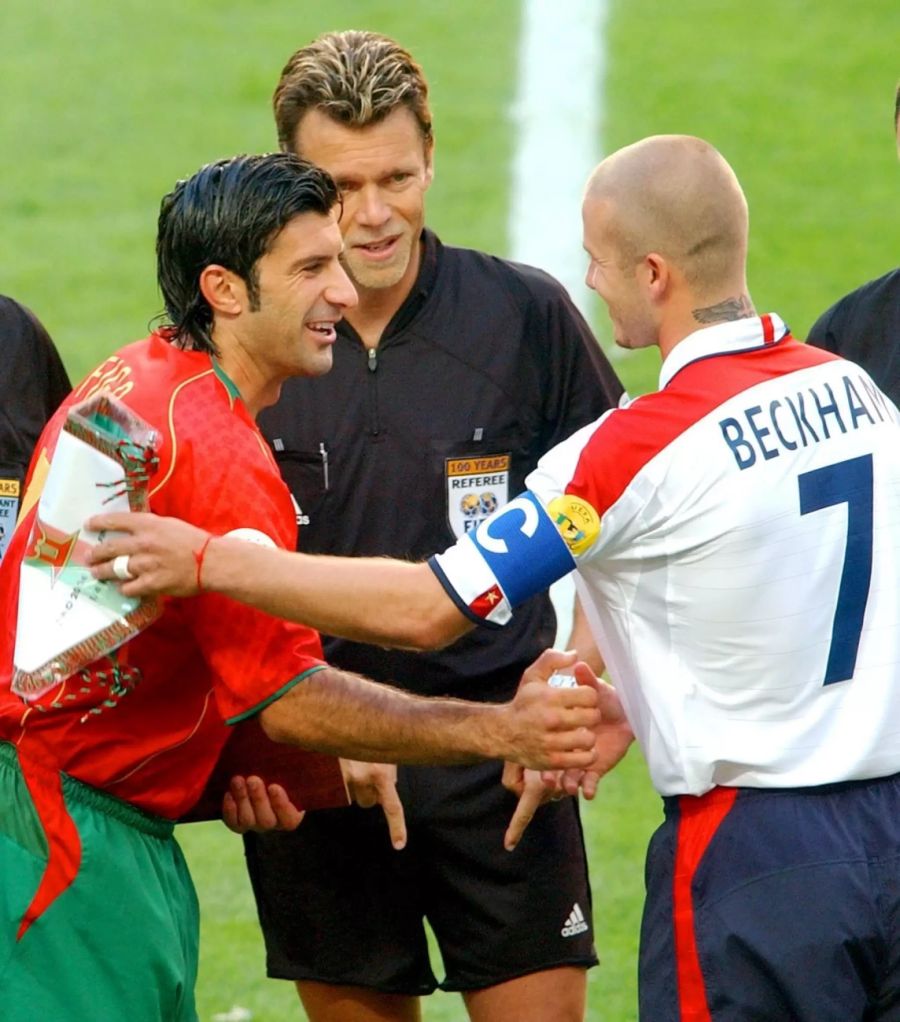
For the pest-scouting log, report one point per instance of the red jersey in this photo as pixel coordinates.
(147, 724)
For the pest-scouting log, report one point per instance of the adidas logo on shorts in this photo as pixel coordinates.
(575, 924)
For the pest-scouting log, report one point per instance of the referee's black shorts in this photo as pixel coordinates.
(338, 905)
(765, 905)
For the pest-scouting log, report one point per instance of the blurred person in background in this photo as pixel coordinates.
(33, 382)
(864, 325)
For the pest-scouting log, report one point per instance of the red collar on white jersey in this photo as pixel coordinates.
(723, 339)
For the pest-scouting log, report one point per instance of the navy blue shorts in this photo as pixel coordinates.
(767, 905)
(339, 905)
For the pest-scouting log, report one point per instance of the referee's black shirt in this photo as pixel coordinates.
(864, 326)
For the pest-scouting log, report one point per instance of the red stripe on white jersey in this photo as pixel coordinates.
(768, 329)
(700, 819)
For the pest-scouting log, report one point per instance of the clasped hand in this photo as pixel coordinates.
(535, 788)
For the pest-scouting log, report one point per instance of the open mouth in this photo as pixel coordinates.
(382, 247)
(324, 329)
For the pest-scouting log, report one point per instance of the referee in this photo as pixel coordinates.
(452, 376)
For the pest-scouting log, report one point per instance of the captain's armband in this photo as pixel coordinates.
(520, 550)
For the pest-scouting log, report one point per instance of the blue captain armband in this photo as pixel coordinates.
(516, 552)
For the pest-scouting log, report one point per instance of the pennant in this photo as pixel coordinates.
(66, 618)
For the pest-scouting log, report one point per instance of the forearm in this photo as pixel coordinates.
(543, 727)
(340, 713)
(366, 599)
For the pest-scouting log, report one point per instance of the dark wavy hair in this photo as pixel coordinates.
(228, 214)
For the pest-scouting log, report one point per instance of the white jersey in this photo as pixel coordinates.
(737, 539)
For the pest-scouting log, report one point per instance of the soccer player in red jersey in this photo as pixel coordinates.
(98, 915)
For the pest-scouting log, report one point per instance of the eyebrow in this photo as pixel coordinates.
(405, 166)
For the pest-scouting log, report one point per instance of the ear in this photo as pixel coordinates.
(656, 275)
(429, 162)
(223, 290)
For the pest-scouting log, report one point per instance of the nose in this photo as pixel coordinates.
(589, 276)
(340, 290)
(372, 210)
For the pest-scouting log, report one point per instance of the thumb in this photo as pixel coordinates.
(584, 675)
(609, 704)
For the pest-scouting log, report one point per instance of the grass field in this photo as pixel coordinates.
(107, 102)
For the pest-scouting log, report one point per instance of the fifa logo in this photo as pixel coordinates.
(475, 507)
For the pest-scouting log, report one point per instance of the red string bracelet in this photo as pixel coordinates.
(198, 557)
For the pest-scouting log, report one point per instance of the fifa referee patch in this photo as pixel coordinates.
(476, 487)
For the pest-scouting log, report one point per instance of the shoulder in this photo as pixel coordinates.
(216, 467)
(12, 314)
(20, 327)
(887, 284)
(145, 374)
(204, 425)
(517, 299)
(869, 296)
(523, 281)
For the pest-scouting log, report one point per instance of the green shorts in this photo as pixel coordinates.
(121, 942)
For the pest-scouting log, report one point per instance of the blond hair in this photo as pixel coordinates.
(356, 78)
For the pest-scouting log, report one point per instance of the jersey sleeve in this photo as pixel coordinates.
(512, 555)
(255, 657)
(232, 487)
(525, 546)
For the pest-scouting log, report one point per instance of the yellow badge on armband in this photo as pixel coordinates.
(577, 521)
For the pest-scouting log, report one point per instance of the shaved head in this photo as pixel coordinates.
(675, 195)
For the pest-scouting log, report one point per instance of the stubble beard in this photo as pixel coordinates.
(377, 277)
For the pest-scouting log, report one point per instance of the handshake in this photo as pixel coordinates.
(584, 722)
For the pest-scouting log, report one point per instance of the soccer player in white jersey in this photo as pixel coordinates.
(737, 543)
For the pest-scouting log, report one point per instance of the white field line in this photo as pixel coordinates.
(557, 116)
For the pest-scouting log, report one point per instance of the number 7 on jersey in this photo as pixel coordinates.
(847, 482)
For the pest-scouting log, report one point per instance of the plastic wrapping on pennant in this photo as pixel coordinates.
(103, 460)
